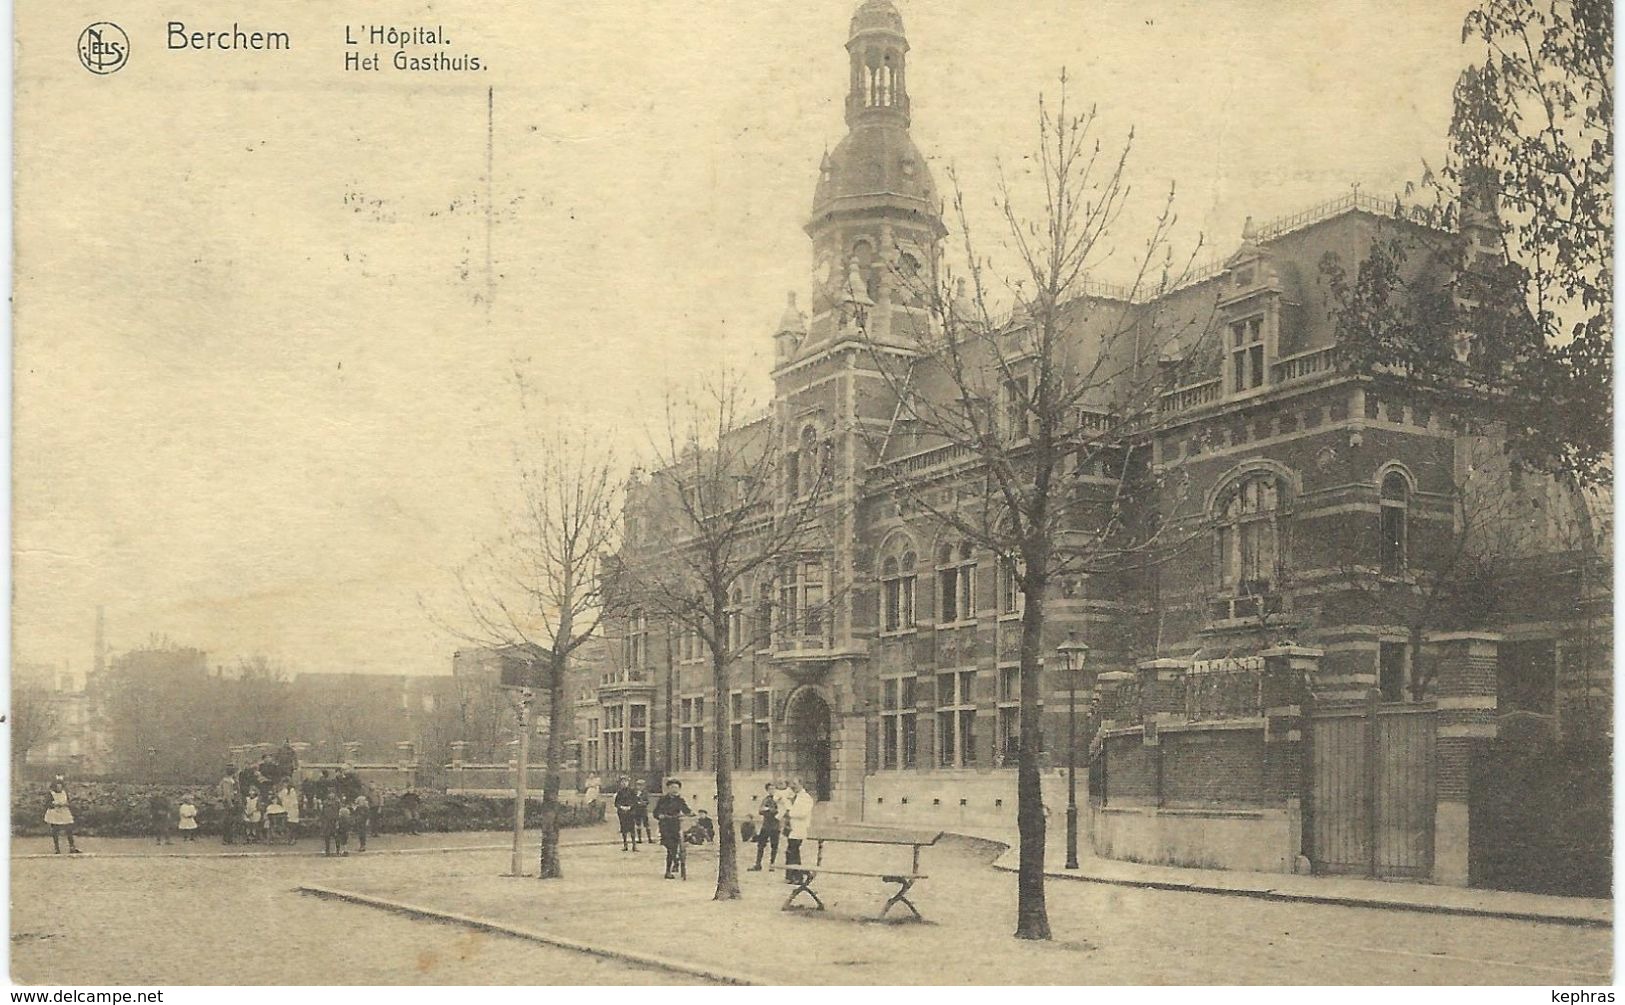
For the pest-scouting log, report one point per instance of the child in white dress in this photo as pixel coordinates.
(251, 814)
(188, 819)
(60, 816)
(290, 805)
(276, 817)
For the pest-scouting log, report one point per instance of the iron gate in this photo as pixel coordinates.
(1371, 790)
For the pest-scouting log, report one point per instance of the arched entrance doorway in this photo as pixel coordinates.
(810, 752)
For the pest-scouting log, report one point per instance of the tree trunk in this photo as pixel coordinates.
(727, 857)
(558, 711)
(1032, 916)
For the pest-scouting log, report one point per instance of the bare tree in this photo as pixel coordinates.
(536, 590)
(35, 721)
(1047, 403)
(715, 518)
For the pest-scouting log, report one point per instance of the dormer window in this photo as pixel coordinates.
(1246, 354)
(1244, 277)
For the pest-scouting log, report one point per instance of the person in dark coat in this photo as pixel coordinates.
(231, 808)
(669, 813)
(161, 813)
(246, 779)
(626, 804)
(411, 804)
(319, 789)
(704, 830)
(768, 832)
(334, 823)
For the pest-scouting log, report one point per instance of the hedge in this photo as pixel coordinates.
(121, 809)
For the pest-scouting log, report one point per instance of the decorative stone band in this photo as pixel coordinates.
(1470, 701)
(1474, 636)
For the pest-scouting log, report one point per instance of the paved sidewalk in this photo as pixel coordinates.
(614, 903)
(1343, 890)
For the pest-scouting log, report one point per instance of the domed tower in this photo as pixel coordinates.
(876, 224)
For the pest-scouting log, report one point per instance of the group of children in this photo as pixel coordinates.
(260, 806)
(271, 814)
(670, 810)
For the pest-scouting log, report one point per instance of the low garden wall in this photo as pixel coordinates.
(1199, 765)
(120, 809)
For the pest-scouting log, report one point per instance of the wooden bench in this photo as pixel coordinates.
(803, 875)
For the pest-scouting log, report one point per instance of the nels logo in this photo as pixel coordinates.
(104, 48)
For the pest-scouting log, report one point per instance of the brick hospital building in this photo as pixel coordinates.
(1249, 701)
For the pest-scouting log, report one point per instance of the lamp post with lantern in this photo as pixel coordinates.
(1073, 656)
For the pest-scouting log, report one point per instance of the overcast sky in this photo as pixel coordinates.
(262, 403)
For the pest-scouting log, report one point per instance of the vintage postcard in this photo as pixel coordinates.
(858, 492)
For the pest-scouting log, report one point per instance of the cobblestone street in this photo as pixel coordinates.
(117, 916)
(123, 920)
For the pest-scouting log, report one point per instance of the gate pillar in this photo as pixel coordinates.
(1464, 691)
(1282, 698)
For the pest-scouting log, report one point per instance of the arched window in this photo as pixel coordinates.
(956, 584)
(1247, 535)
(898, 579)
(1396, 502)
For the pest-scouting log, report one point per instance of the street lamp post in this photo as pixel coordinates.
(1073, 655)
(522, 709)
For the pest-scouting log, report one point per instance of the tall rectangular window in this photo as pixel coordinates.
(736, 621)
(1017, 424)
(615, 737)
(691, 734)
(812, 595)
(1011, 598)
(736, 728)
(897, 584)
(956, 719)
(1008, 733)
(638, 738)
(1247, 536)
(1246, 354)
(789, 601)
(1391, 663)
(897, 722)
(801, 597)
(1395, 513)
(956, 584)
(762, 715)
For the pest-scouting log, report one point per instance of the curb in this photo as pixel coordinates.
(1576, 920)
(530, 935)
